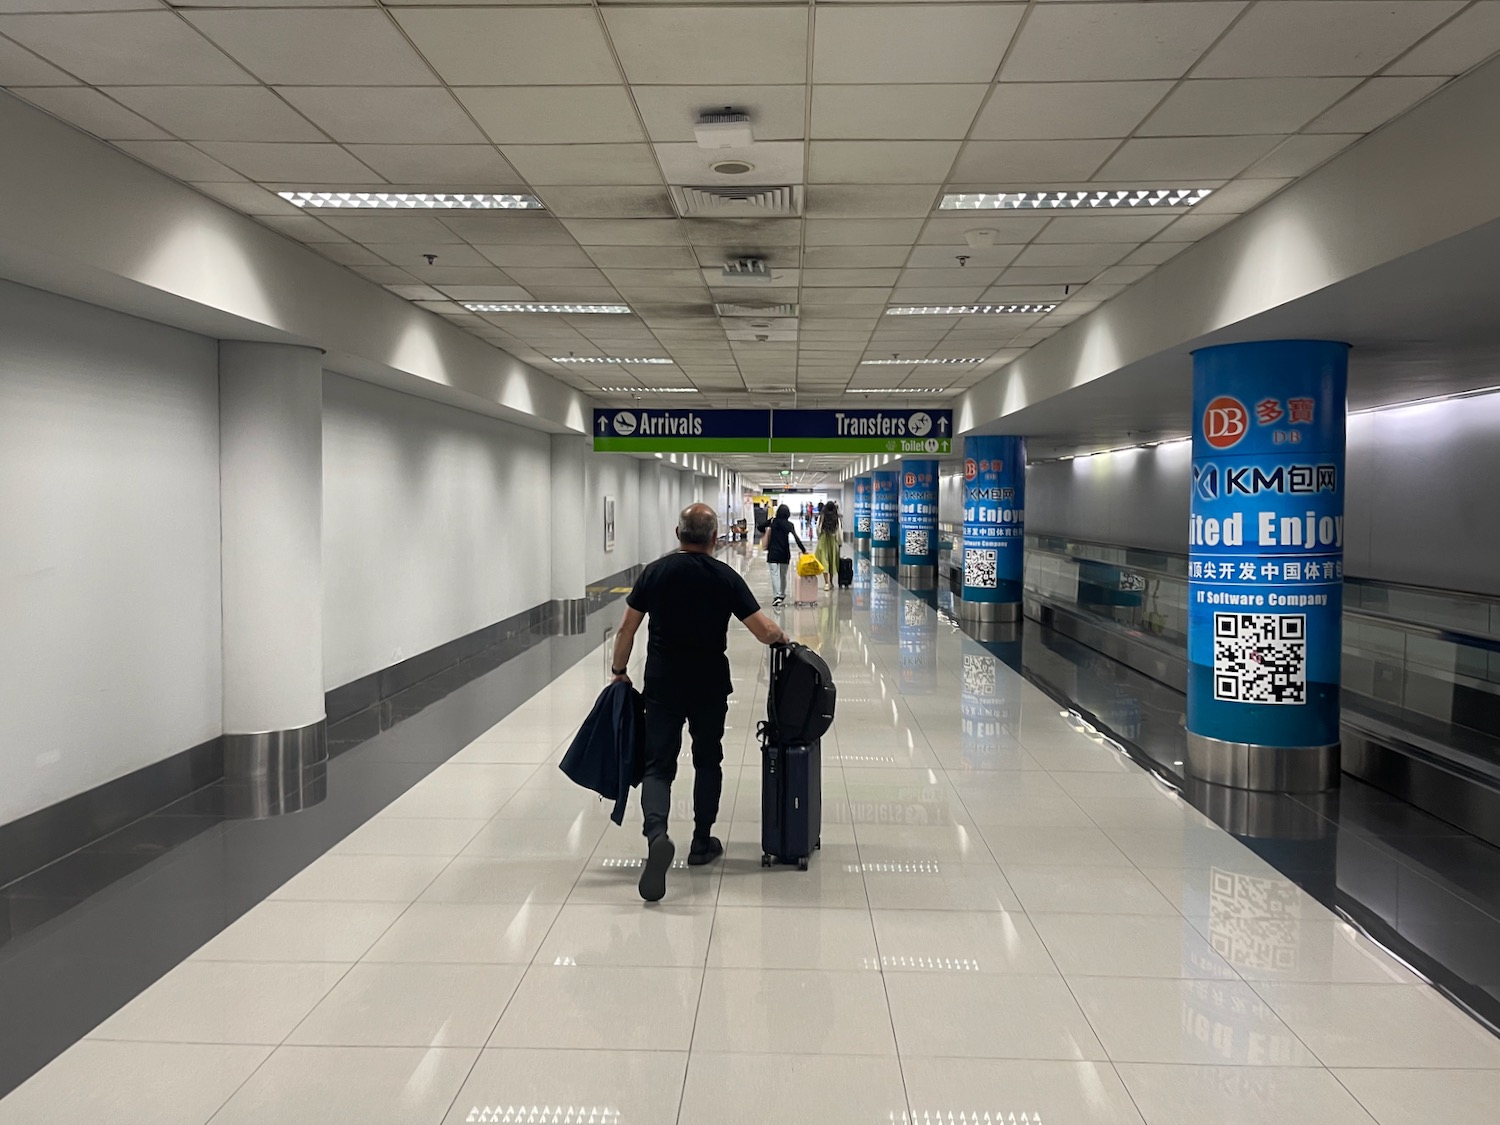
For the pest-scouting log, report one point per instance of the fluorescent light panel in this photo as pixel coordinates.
(412, 200)
(648, 390)
(909, 362)
(899, 391)
(605, 359)
(540, 307)
(970, 310)
(1075, 199)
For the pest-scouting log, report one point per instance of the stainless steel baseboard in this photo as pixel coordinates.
(884, 556)
(1264, 769)
(987, 612)
(569, 616)
(268, 773)
(918, 577)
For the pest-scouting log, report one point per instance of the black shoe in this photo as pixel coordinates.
(659, 855)
(704, 851)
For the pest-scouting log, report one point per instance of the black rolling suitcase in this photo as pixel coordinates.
(799, 709)
(846, 572)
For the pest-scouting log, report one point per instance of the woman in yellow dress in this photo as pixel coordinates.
(827, 550)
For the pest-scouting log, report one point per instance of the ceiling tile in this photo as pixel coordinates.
(410, 255)
(516, 228)
(1047, 275)
(839, 257)
(1073, 254)
(92, 112)
(584, 164)
(476, 166)
(304, 228)
(776, 112)
(912, 42)
(312, 47)
(881, 162)
(607, 202)
(1066, 110)
(531, 275)
(935, 257)
(391, 226)
(823, 278)
(1002, 163)
(1095, 42)
(177, 158)
(218, 113)
(703, 45)
(383, 275)
(951, 228)
(895, 112)
(443, 276)
(1375, 103)
(1154, 253)
(1104, 228)
(124, 48)
(625, 279)
(301, 163)
(486, 292)
(512, 46)
(1224, 106)
(626, 232)
(1296, 156)
(19, 67)
(249, 198)
(774, 162)
(351, 254)
(640, 257)
(1122, 275)
(1239, 196)
(1185, 158)
(385, 115)
(875, 201)
(1322, 37)
(745, 232)
(1190, 228)
(1465, 42)
(551, 115)
(862, 232)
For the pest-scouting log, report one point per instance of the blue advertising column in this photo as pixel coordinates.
(919, 512)
(861, 514)
(994, 528)
(1266, 564)
(884, 526)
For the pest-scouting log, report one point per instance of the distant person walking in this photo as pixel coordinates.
(827, 550)
(690, 597)
(779, 552)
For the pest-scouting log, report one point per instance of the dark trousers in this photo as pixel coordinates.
(705, 722)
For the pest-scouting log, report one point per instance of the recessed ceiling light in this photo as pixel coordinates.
(899, 391)
(648, 390)
(969, 310)
(909, 362)
(540, 307)
(604, 359)
(1075, 199)
(407, 200)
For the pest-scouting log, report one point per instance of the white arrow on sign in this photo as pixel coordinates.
(943, 425)
(603, 424)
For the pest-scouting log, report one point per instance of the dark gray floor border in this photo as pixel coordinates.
(47, 835)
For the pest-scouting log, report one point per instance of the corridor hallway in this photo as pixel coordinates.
(1008, 921)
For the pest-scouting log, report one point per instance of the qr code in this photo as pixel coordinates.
(882, 529)
(914, 612)
(862, 524)
(918, 541)
(1260, 657)
(980, 674)
(980, 567)
(1254, 921)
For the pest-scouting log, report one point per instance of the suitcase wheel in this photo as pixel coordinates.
(802, 864)
(765, 861)
(818, 844)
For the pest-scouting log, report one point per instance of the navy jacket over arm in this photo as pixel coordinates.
(607, 755)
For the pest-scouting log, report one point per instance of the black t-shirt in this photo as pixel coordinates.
(690, 598)
(779, 549)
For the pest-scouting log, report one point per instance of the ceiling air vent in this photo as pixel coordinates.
(725, 202)
(728, 128)
(745, 271)
(723, 309)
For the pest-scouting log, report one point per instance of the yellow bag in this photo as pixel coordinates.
(808, 566)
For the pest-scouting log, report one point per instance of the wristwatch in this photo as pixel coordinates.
(618, 671)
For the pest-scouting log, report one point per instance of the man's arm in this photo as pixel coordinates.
(766, 631)
(625, 641)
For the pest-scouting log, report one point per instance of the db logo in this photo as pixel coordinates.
(911, 480)
(971, 470)
(1225, 422)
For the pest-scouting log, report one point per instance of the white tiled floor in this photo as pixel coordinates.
(1006, 917)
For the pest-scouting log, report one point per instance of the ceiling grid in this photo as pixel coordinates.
(870, 112)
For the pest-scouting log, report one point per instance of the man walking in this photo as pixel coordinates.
(690, 597)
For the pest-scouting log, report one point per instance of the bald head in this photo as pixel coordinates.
(697, 527)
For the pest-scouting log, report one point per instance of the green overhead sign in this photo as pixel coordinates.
(905, 431)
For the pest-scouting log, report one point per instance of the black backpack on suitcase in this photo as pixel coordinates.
(846, 572)
(799, 709)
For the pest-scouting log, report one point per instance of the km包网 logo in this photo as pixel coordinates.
(1224, 422)
(971, 470)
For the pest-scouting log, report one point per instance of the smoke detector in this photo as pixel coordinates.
(727, 128)
(732, 167)
(746, 271)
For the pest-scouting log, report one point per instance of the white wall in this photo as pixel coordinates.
(109, 546)
(1421, 502)
(435, 523)
(611, 474)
